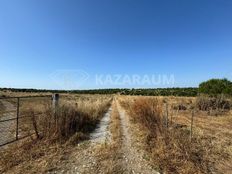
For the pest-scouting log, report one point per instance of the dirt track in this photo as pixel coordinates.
(98, 155)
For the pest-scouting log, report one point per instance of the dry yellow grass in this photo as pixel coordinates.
(215, 129)
(8, 93)
(168, 150)
(171, 149)
(76, 118)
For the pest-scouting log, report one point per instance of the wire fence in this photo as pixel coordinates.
(16, 118)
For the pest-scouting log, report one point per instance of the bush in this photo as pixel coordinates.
(180, 107)
(214, 87)
(205, 103)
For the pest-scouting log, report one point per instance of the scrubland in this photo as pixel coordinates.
(185, 135)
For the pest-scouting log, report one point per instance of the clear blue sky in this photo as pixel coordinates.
(191, 39)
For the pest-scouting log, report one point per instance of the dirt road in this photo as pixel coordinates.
(101, 155)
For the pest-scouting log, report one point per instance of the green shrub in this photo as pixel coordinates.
(214, 87)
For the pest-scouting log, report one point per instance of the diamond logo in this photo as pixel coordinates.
(69, 79)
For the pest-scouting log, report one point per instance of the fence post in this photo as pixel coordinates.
(55, 102)
(191, 129)
(17, 120)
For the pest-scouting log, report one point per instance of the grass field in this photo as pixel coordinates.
(141, 137)
(172, 150)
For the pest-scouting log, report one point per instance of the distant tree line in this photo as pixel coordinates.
(32, 90)
(144, 92)
(211, 87)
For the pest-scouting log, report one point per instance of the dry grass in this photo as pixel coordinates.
(75, 119)
(8, 93)
(172, 150)
(1, 106)
(109, 155)
(215, 130)
(213, 105)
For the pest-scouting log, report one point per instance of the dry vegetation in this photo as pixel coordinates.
(74, 119)
(213, 127)
(171, 149)
(1, 106)
(8, 93)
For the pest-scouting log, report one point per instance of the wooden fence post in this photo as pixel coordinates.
(17, 119)
(55, 102)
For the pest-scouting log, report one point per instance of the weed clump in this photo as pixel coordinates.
(219, 103)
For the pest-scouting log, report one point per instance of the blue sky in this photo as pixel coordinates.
(190, 39)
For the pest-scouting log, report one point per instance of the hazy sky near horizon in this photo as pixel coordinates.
(54, 43)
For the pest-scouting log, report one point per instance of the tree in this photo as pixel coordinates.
(214, 87)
